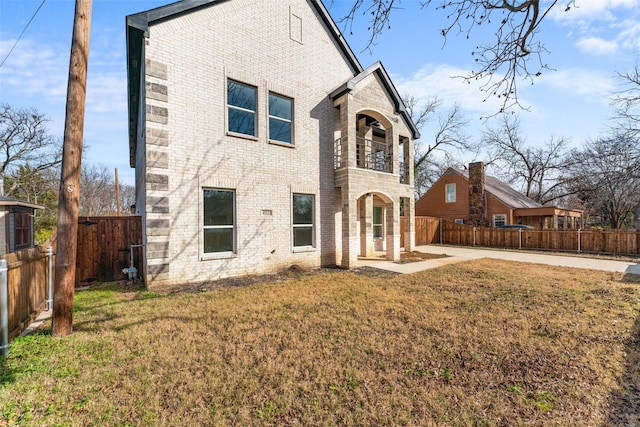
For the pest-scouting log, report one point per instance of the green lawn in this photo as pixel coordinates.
(482, 343)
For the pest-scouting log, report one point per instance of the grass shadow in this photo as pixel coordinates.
(6, 373)
(23, 343)
(624, 402)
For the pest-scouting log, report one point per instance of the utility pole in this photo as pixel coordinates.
(117, 193)
(69, 196)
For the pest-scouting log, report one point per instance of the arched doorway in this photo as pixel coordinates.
(378, 226)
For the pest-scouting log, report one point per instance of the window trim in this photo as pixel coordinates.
(495, 216)
(24, 230)
(459, 221)
(446, 192)
(233, 227)
(303, 248)
(290, 121)
(256, 123)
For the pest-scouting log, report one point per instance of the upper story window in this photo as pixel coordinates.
(219, 220)
(242, 101)
(450, 196)
(280, 118)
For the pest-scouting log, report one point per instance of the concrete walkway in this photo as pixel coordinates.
(459, 254)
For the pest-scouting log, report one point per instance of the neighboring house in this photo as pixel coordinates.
(16, 225)
(260, 142)
(471, 197)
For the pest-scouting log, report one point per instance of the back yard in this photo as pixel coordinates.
(480, 343)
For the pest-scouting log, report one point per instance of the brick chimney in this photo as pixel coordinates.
(477, 197)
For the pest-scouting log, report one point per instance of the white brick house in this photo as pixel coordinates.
(260, 142)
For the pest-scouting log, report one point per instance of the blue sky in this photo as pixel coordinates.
(588, 46)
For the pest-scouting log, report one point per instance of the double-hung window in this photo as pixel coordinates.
(242, 101)
(499, 220)
(450, 196)
(303, 220)
(219, 220)
(280, 118)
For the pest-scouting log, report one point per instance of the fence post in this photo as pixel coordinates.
(4, 295)
(520, 238)
(579, 240)
(50, 280)
(474, 236)
(440, 230)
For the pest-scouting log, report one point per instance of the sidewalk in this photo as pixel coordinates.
(459, 254)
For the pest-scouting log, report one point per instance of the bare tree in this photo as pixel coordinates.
(539, 170)
(24, 139)
(41, 188)
(514, 54)
(606, 177)
(627, 103)
(432, 158)
(99, 192)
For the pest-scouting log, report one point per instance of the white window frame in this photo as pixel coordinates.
(312, 225)
(450, 197)
(496, 219)
(281, 119)
(234, 107)
(459, 221)
(233, 226)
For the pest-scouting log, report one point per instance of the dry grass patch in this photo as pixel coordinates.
(482, 343)
(416, 256)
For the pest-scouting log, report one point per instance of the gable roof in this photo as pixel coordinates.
(379, 70)
(138, 27)
(507, 195)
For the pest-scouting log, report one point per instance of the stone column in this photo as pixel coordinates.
(392, 216)
(350, 238)
(409, 224)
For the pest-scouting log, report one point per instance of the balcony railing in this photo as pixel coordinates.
(372, 155)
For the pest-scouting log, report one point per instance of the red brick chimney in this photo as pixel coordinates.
(477, 197)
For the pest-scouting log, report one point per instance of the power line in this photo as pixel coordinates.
(20, 36)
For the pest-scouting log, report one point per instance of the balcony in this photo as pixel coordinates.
(372, 155)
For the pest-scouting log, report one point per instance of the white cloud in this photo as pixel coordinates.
(629, 36)
(107, 93)
(597, 46)
(35, 69)
(445, 82)
(586, 83)
(584, 11)
(602, 26)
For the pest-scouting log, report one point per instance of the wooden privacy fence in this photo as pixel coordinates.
(426, 228)
(617, 242)
(27, 283)
(104, 247)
